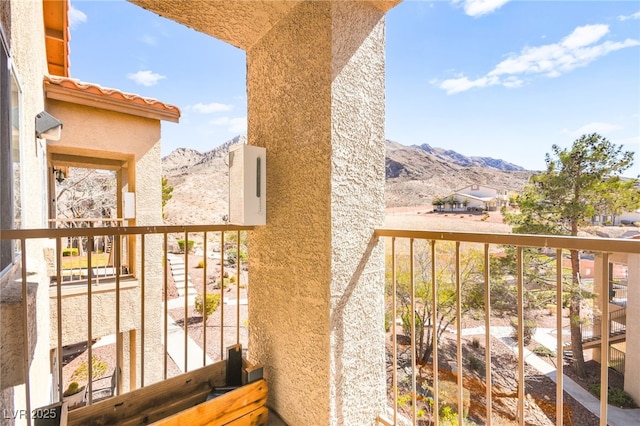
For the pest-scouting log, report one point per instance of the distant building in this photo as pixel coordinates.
(474, 198)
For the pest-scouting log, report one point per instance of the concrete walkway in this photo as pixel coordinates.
(615, 416)
(176, 333)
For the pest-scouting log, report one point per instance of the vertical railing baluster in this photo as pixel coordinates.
(59, 313)
(412, 313)
(434, 328)
(204, 299)
(166, 306)
(186, 300)
(487, 332)
(559, 342)
(394, 337)
(89, 320)
(119, 343)
(459, 337)
(221, 295)
(142, 304)
(520, 334)
(604, 342)
(238, 289)
(25, 321)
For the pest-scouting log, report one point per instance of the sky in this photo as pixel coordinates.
(498, 78)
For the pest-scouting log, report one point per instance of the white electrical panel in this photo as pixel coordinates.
(247, 185)
(129, 207)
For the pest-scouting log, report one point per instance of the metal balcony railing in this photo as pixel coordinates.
(75, 249)
(128, 296)
(445, 342)
(617, 326)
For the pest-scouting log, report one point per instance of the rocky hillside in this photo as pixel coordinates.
(415, 175)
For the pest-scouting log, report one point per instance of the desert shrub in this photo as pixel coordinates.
(190, 245)
(200, 264)
(73, 389)
(71, 251)
(544, 351)
(232, 255)
(448, 416)
(528, 330)
(616, 396)
(207, 308)
(475, 364)
(475, 343)
(98, 367)
(406, 323)
(233, 279)
(404, 400)
(387, 321)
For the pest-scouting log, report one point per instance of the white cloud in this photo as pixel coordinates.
(234, 125)
(76, 17)
(596, 127)
(146, 78)
(632, 16)
(481, 7)
(210, 107)
(149, 40)
(584, 36)
(578, 49)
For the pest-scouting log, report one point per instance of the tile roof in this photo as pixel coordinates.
(108, 98)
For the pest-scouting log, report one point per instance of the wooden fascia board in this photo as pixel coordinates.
(107, 103)
(85, 162)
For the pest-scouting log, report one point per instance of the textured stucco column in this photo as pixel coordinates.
(148, 188)
(316, 102)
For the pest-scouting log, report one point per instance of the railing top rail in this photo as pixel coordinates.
(88, 219)
(17, 234)
(610, 245)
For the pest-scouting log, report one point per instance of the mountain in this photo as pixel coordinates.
(462, 160)
(417, 174)
(414, 176)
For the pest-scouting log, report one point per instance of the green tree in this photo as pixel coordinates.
(167, 193)
(471, 294)
(564, 197)
(438, 202)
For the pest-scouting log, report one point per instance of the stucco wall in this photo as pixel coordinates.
(289, 102)
(357, 208)
(316, 102)
(103, 309)
(102, 130)
(149, 212)
(28, 55)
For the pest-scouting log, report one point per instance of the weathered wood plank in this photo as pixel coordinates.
(223, 409)
(259, 417)
(145, 405)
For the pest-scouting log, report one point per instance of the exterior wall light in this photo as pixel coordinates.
(59, 174)
(48, 127)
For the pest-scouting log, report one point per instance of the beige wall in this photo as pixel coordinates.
(149, 212)
(95, 132)
(96, 129)
(26, 36)
(103, 309)
(316, 102)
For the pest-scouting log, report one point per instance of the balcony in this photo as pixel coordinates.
(441, 287)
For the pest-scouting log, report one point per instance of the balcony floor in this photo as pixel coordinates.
(275, 420)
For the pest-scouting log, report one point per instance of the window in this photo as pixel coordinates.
(10, 126)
